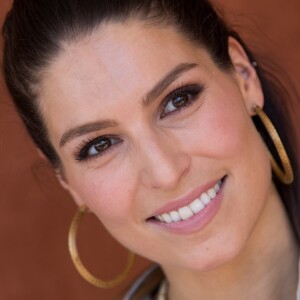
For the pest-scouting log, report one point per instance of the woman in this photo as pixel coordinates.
(144, 109)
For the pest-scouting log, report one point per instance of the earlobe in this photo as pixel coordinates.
(41, 154)
(246, 76)
(62, 180)
(65, 185)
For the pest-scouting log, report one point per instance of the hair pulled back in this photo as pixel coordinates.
(36, 31)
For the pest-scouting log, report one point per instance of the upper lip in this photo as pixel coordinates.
(185, 200)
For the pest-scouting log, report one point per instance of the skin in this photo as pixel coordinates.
(106, 76)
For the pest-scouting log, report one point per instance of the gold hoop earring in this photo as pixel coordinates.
(78, 263)
(286, 175)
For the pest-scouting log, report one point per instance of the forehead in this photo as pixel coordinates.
(115, 62)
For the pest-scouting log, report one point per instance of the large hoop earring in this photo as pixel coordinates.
(78, 263)
(286, 175)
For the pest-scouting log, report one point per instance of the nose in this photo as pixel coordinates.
(163, 161)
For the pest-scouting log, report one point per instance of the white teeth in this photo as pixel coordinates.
(160, 218)
(167, 218)
(185, 212)
(196, 206)
(205, 198)
(212, 193)
(175, 216)
(217, 187)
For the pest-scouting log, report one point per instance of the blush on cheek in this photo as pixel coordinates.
(223, 133)
(107, 194)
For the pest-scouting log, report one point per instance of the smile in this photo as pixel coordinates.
(193, 208)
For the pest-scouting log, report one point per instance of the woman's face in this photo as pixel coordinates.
(145, 123)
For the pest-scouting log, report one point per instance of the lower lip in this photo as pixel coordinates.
(198, 221)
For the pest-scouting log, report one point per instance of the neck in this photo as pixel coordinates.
(267, 267)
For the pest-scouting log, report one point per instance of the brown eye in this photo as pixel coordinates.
(103, 145)
(180, 101)
(177, 102)
(99, 146)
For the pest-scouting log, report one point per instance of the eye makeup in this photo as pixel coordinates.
(180, 98)
(95, 147)
(176, 101)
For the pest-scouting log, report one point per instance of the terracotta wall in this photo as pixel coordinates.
(35, 212)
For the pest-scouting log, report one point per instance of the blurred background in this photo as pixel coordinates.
(35, 212)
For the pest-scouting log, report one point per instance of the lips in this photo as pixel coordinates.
(187, 211)
(195, 210)
(189, 205)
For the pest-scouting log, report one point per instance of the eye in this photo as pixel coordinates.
(96, 147)
(176, 103)
(180, 98)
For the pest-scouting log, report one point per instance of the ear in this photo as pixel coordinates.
(42, 155)
(245, 75)
(65, 185)
(63, 181)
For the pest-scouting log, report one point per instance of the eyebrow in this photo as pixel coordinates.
(155, 92)
(85, 129)
(162, 85)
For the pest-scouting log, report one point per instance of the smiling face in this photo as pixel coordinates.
(145, 123)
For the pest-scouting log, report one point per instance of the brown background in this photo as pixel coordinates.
(35, 212)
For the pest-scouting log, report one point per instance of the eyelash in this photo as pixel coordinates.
(192, 91)
(83, 149)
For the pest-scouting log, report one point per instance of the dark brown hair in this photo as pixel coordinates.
(35, 31)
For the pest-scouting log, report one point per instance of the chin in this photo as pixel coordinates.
(226, 251)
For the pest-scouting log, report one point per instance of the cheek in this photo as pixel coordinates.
(108, 193)
(222, 131)
(111, 198)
